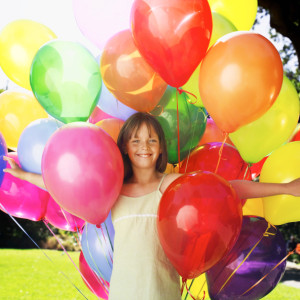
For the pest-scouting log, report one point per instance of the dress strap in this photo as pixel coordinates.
(161, 181)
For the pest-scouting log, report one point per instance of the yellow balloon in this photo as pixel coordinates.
(19, 42)
(254, 207)
(241, 13)
(170, 169)
(196, 287)
(221, 26)
(256, 140)
(282, 166)
(17, 110)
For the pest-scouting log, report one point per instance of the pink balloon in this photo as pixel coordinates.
(99, 20)
(98, 115)
(61, 219)
(21, 198)
(82, 169)
(94, 283)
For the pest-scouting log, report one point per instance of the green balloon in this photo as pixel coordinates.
(192, 123)
(65, 78)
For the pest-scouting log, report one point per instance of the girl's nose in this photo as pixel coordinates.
(144, 145)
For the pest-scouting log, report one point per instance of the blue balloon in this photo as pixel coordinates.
(110, 105)
(98, 246)
(32, 143)
(3, 152)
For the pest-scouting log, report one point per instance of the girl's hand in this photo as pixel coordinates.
(15, 170)
(293, 187)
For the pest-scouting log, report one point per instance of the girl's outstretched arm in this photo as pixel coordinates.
(16, 171)
(249, 189)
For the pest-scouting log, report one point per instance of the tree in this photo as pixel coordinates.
(285, 22)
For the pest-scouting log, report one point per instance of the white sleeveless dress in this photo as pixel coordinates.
(141, 270)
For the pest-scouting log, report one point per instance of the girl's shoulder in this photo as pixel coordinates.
(169, 178)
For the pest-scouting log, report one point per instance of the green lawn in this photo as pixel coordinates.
(28, 274)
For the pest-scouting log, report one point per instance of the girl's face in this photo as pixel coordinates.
(143, 148)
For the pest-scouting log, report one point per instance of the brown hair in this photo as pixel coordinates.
(132, 125)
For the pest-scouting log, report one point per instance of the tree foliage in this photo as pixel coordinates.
(285, 31)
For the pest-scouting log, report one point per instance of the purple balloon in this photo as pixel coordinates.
(98, 247)
(3, 152)
(32, 143)
(266, 255)
(110, 105)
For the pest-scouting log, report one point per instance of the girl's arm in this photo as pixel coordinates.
(249, 189)
(16, 171)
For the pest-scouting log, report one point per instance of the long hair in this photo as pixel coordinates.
(132, 125)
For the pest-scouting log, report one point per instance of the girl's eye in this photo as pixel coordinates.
(153, 141)
(135, 141)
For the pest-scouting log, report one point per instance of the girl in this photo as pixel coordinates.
(141, 270)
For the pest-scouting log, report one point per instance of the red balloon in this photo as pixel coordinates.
(61, 219)
(97, 286)
(205, 158)
(256, 168)
(296, 134)
(172, 35)
(199, 220)
(21, 198)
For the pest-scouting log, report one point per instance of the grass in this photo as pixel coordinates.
(28, 274)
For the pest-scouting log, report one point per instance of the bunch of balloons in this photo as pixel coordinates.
(216, 88)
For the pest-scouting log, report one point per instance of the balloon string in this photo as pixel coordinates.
(254, 285)
(220, 152)
(111, 245)
(246, 171)
(189, 292)
(248, 168)
(65, 217)
(91, 256)
(183, 285)
(180, 91)
(190, 148)
(106, 243)
(202, 289)
(46, 224)
(42, 250)
(78, 231)
(265, 234)
(109, 261)
(186, 295)
(178, 134)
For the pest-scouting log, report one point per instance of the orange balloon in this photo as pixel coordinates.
(111, 126)
(128, 76)
(240, 78)
(213, 134)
